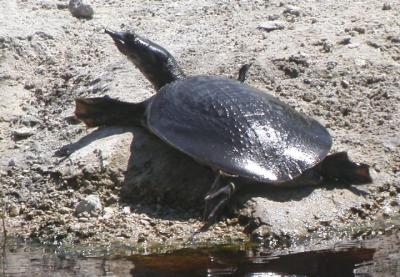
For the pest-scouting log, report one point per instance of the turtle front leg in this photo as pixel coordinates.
(218, 196)
(226, 193)
(213, 188)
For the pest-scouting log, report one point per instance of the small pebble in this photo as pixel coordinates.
(64, 210)
(23, 133)
(11, 163)
(270, 26)
(61, 6)
(359, 30)
(353, 45)
(373, 44)
(344, 84)
(273, 17)
(13, 210)
(327, 47)
(126, 210)
(360, 62)
(308, 97)
(83, 219)
(91, 204)
(345, 41)
(80, 10)
(108, 213)
(395, 39)
(292, 10)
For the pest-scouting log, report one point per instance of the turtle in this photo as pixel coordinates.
(240, 132)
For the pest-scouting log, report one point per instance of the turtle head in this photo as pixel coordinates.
(156, 63)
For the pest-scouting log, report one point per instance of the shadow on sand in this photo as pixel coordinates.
(159, 175)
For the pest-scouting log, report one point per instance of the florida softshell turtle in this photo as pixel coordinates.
(237, 130)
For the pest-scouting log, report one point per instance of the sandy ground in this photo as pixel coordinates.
(337, 61)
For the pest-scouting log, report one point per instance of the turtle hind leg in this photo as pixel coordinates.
(243, 72)
(338, 167)
(104, 111)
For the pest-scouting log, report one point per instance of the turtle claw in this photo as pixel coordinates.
(227, 192)
(216, 191)
(228, 189)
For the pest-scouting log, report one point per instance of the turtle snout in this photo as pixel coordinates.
(116, 36)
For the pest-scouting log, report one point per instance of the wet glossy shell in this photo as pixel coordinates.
(238, 129)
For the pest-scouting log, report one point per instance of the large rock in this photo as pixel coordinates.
(296, 212)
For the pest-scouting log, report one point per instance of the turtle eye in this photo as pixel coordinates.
(128, 37)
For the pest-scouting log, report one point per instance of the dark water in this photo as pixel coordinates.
(22, 259)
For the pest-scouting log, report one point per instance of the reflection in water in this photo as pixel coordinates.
(29, 260)
(328, 262)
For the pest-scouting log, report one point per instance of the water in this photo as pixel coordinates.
(28, 259)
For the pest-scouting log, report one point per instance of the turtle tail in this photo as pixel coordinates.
(104, 111)
(338, 167)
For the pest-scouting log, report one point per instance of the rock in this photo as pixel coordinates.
(345, 41)
(386, 7)
(80, 9)
(26, 120)
(327, 47)
(11, 163)
(360, 62)
(300, 59)
(61, 6)
(83, 219)
(273, 17)
(270, 26)
(373, 44)
(293, 213)
(126, 210)
(308, 96)
(359, 30)
(91, 204)
(108, 213)
(391, 143)
(344, 83)
(353, 45)
(13, 210)
(23, 133)
(64, 210)
(394, 39)
(293, 10)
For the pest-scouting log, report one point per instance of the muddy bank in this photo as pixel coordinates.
(337, 62)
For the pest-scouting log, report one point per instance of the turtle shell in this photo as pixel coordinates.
(236, 128)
